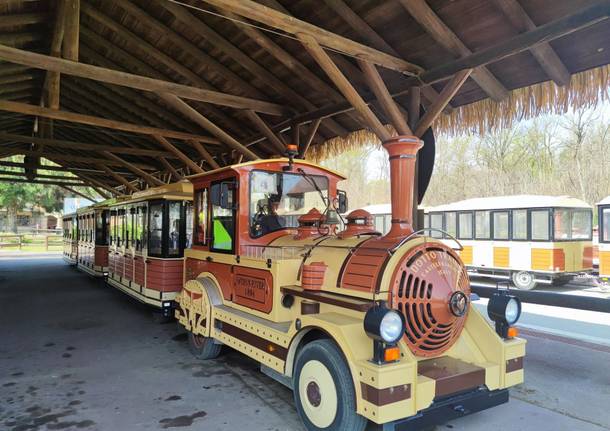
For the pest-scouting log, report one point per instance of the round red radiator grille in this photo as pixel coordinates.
(430, 288)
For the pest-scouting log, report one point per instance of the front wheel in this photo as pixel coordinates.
(324, 389)
(203, 347)
(524, 280)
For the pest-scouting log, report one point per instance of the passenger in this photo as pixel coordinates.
(271, 221)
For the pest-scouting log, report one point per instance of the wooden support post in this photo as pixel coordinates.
(376, 84)
(344, 86)
(295, 135)
(434, 26)
(446, 95)
(205, 154)
(276, 140)
(145, 175)
(313, 128)
(136, 81)
(119, 178)
(186, 159)
(72, 27)
(414, 104)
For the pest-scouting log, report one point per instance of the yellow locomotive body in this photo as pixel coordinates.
(319, 309)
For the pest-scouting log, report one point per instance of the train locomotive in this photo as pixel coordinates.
(362, 326)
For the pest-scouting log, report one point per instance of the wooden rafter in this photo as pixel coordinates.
(297, 27)
(97, 73)
(179, 154)
(63, 168)
(342, 83)
(171, 169)
(434, 26)
(76, 192)
(313, 128)
(276, 140)
(132, 167)
(118, 177)
(544, 53)
(205, 154)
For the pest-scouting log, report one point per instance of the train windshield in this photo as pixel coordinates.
(277, 199)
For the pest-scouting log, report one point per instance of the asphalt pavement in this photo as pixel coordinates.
(78, 355)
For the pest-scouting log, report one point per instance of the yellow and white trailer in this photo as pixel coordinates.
(603, 209)
(529, 239)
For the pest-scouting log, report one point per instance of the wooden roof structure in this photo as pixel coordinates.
(127, 94)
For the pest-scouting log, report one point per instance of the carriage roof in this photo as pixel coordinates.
(512, 202)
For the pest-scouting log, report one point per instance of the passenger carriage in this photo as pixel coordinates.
(93, 238)
(70, 238)
(362, 326)
(528, 239)
(603, 209)
(148, 233)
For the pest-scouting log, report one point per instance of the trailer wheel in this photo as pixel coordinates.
(203, 347)
(323, 389)
(524, 280)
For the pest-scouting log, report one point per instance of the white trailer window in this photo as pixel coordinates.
(482, 225)
(436, 222)
(605, 225)
(520, 224)
(540, 225)
(581, 224)
(465, 226)
(562, 220)
(451, 223)
(500, 224)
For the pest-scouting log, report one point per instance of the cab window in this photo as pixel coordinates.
(201, 217)
(278, 199)
(223, 219)
(175, 227)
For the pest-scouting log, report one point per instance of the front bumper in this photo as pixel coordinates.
(449, 408)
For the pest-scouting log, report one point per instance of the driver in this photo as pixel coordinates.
(271, 221)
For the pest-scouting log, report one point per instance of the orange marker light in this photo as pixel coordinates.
(512, 332)
(391, 354)
(291, 147)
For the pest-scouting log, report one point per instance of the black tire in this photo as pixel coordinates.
(524, 280)
(326, 353)
(203, 347)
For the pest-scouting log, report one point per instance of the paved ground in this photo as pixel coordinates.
(78, 355)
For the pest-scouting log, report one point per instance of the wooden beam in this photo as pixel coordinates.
(360, 26)
(344, 86)
(145, 175)
(297, 27)
(51, 85)
(544, 53)
(130, 80)
(295, 134)
(186, 159)
(11, 79)
(543, 34)
(53, 156)
(446, 95)
(23, 108)
(18, 20)
(118, 177)
(433, 25)
(313, 128)
(389, 106)
(56, 168)
(51, 183)
(100, 184)
(205, 154)
(19, 39)
(39, 175)
(414, 103)
(71, 32)
(190, 112)
(76, 192)
(276, 140)
(171, 169)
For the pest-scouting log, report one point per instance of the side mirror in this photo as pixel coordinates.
(342, 201)
(226, 195)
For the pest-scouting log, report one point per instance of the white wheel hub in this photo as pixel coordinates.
(524, 278)
(318, 394)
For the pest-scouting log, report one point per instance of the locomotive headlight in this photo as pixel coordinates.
(384, 324)
(504, 310)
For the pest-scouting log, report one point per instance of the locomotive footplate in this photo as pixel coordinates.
(449, 408)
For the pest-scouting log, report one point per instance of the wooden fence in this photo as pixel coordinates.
(35, 241)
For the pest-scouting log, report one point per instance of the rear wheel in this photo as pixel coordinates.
(324, 389)
(524, 280)
(203, 347)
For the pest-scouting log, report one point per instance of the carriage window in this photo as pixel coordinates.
(100, 228)
(519, 224)
(451, 223)
(129, 227)
(540, 225)
(482, 228)
(581, 224)
(201, 217)
(140, 228)
(426, 221)
(605, 225)
(174, 210)
(112, 232)
(278, 199)
(223, 220)
(189, 225)
(563, 224)
(436, 222)
(155, 242)
(500, 220)
(465, 225)
(120, 227)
